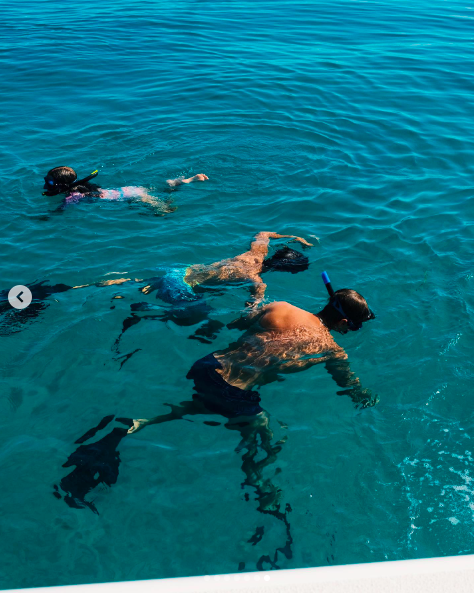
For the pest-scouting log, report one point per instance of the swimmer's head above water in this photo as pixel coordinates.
(61, 180)
(286, 260)
(346, 311)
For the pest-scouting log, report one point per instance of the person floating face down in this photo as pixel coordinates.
(178, 287)
(183, 287)
(279, 339)
(63, 180)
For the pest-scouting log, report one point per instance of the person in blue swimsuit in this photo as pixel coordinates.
(180, 285)
(183, 288)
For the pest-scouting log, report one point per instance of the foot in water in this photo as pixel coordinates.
(138, 424)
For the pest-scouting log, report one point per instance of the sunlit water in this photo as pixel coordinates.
(347, 121)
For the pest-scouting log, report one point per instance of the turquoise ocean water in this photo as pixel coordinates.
(349, 121)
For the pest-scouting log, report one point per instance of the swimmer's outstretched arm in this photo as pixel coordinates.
(339, 369)
(181, 180)
(259, 246)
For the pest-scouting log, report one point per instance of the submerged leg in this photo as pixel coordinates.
(268, 495)
(186, 408)
(158, 206)
(185, 315)
(256, 435)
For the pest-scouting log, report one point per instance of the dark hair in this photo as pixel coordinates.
(62, 175)
(353, 304)
(286, 260)
(64, 178)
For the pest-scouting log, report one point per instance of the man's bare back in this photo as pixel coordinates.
(281, 338)
(246, 267)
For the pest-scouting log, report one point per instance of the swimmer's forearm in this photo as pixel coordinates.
(340, 371)
(257, 291)
(269, 235)
(175, 182)
(362, 397)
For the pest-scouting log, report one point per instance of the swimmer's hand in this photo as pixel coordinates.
(303, 241)
(138, 424)
(180, 180)
(363, 398)
(198, 177)
(369, 400)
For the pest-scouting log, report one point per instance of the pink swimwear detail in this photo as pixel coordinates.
(124, 192)
(112, 194)
(74, 197)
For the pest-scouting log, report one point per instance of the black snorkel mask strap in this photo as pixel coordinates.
(61, 187)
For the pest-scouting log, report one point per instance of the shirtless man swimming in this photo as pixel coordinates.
(279, 339)
(183, 287)
(180, 285)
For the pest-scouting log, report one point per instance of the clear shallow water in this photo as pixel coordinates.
(351, 121)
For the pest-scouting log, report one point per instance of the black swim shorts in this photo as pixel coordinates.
(219, 396)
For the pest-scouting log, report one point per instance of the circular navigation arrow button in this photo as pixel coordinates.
(20, 297)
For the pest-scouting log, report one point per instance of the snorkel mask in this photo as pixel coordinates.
(334, 301)
(53, 187)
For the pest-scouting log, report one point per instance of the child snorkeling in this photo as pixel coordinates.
(63, 180)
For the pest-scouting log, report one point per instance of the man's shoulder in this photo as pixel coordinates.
(281, 315)
(277, 304)
(284, 306)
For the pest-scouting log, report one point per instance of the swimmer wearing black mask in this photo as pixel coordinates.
(63, 180)
(279, 339)
(179, 285)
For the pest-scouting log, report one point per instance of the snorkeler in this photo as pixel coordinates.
(63, 180)
(180, 285)
(279, 339)
(183, 287)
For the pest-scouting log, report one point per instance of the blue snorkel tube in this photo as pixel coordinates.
(327, 282)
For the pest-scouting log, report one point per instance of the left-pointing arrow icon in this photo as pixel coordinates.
(20, 297)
